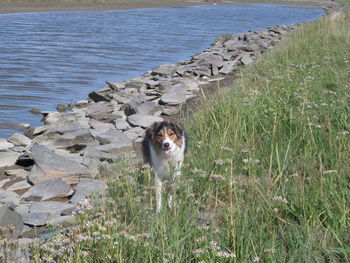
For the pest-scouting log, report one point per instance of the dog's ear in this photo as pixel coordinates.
(151, 132)
(179, 129)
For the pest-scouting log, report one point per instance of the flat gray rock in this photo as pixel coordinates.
(5, 145)
(202, 71)
(115, 147)
(189, 82)
(53, 117)
(228, 67)
(9, 217)
(9, 196)
(135, 133)
(19, 186)
(169, 111)
(143, 120)
(86, 188)
(95, 96)
(100, 110)
(52, 207)
(149, 108)
(99, 125)
(109, 136)
(121, 124)
(63, 220)
(246, 60)
(54, 188)
(23, 208)
(8, 158)
(92, 152)
(78, 137)
(165, 70)
(39, 130)
(49, 165)
(20, 139)
(18, 173)
(175, 95)
(35, 219)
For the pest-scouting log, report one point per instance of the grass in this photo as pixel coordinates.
(266, 178)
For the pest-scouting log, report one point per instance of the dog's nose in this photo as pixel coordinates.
(166, 145)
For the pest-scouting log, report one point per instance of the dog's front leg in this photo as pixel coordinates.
(158, 185)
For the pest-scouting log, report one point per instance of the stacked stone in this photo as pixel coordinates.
(47, 171)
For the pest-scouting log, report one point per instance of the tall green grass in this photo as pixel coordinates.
(266, 178)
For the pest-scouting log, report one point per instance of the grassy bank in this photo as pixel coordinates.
(266, 178)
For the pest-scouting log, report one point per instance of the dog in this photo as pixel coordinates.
(164, 148)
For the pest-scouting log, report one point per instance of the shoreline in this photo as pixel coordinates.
(63, 142)
(12, 8)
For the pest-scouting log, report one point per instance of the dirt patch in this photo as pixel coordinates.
(57, 6)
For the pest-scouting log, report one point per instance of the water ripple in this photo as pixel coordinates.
(59, 57)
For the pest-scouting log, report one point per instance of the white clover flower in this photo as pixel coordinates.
(280, 199)
(270, 250)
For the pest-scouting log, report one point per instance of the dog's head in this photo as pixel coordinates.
(166, 137)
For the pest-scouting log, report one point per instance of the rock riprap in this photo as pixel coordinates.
(48, 170)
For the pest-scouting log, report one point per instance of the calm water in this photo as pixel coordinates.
(59, 57)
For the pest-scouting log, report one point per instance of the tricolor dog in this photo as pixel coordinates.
(164, 147)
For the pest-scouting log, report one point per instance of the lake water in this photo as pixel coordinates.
(59, 57)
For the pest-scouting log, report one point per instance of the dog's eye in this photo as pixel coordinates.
(159, 135)
(171, 134)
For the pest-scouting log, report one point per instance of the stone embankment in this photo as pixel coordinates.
(47, 171)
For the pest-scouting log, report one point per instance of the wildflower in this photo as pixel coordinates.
(256, 259)
(199, 251)
(201, 239)
(280, 199)
(344, 132)
(225, 148)
(199, 144)
(252, 161)
(145, 235)
(84, 253)
(214, 245)
(270, 250)
(219, 162)
(203, 227)
(223, 254)
(217, 177)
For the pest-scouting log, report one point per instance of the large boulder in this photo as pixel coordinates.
(49, 165)
(5, 145)
(8, 197)
(8, 158)
(19, 139)
(78, 137)
(175, 95)
(164, 70)
(52, 207)
(100, 110)
(54, 188)
(109, 136)
(35, 219)
(86, 188)
(143, 120)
